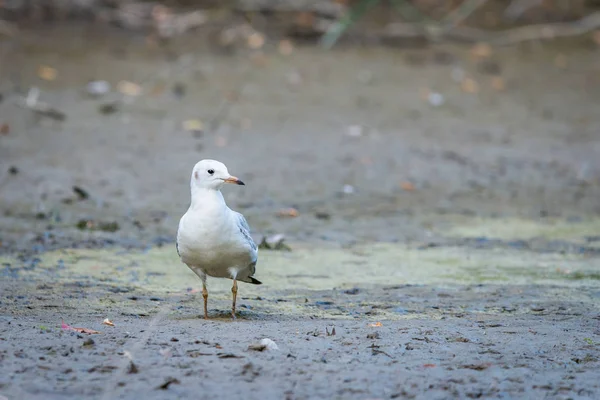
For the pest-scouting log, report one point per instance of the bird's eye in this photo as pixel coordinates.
(211, 171)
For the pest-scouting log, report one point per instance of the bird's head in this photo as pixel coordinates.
(211, 174)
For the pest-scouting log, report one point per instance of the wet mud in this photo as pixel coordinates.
(438, 251)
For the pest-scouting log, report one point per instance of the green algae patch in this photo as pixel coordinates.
(526, 229)
(159, 270)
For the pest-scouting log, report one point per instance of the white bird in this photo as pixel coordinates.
(212, 239)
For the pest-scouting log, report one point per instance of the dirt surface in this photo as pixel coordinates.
(454, 247)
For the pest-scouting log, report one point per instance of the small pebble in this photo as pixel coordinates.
(97, 88)
(435, 99)
(348, 189)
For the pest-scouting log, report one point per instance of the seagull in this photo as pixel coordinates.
(212, 239)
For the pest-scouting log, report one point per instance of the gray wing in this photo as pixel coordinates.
(245, 231)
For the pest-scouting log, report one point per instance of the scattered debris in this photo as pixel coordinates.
(286, 47)
(47, 73)
(256, 40)
(179, 90)
(408, 186)
(469, 85)
(13, 170)
(375, 350)
(288, 212)
(168, 382)
(374, 335)
(193, 125)
(348, 189)
(82, 194)
(88, 224)
(109, 108)
(274, 242)
(228, 355)
(481, 50)
(32, 103)
(132, 368)
(332, 333)
(129, 88)
(376, 324)
(476, 367)
(4, 129)
(88, 342)
(264, 344)
(435, 99)
(322, 215)
(250, 372)
(458, 339)
(108, 322)
(354, 130)
(352, 291)
(315, 333)
(165, 352)
(97, 88)
(67, 327)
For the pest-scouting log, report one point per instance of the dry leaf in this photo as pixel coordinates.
(481, 50)
(286, 47)
(428, 365)
(376, 324)
(305, 19)
(47, 73)
(129, 88)
(108, 322)
(4, 129)
(193, 125)
(288, 212)
(469, 86)
(498, 83)
(68, 327)
(259, 58)
(409, 187)
(256, 41)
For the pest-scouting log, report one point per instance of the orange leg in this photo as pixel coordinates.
(205, 295)
(234, 291)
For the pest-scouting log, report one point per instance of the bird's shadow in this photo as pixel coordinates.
(224, 316)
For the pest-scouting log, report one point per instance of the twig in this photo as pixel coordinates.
(137, 345)
(462, 12)
(503, 38)
(339, 27)
(32, 103)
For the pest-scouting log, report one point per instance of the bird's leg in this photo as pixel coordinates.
(205, 295)
(234, 291)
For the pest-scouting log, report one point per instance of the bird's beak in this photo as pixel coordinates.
(233, 179)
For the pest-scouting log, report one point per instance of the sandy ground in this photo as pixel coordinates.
(454, 248)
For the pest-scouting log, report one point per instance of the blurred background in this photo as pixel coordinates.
(349, 121)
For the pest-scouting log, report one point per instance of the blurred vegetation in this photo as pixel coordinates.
(326, 21)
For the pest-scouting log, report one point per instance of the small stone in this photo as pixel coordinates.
(97, 88)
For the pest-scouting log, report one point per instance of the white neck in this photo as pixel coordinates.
(204, 196)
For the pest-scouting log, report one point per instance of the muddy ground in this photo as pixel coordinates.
(455, 248)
